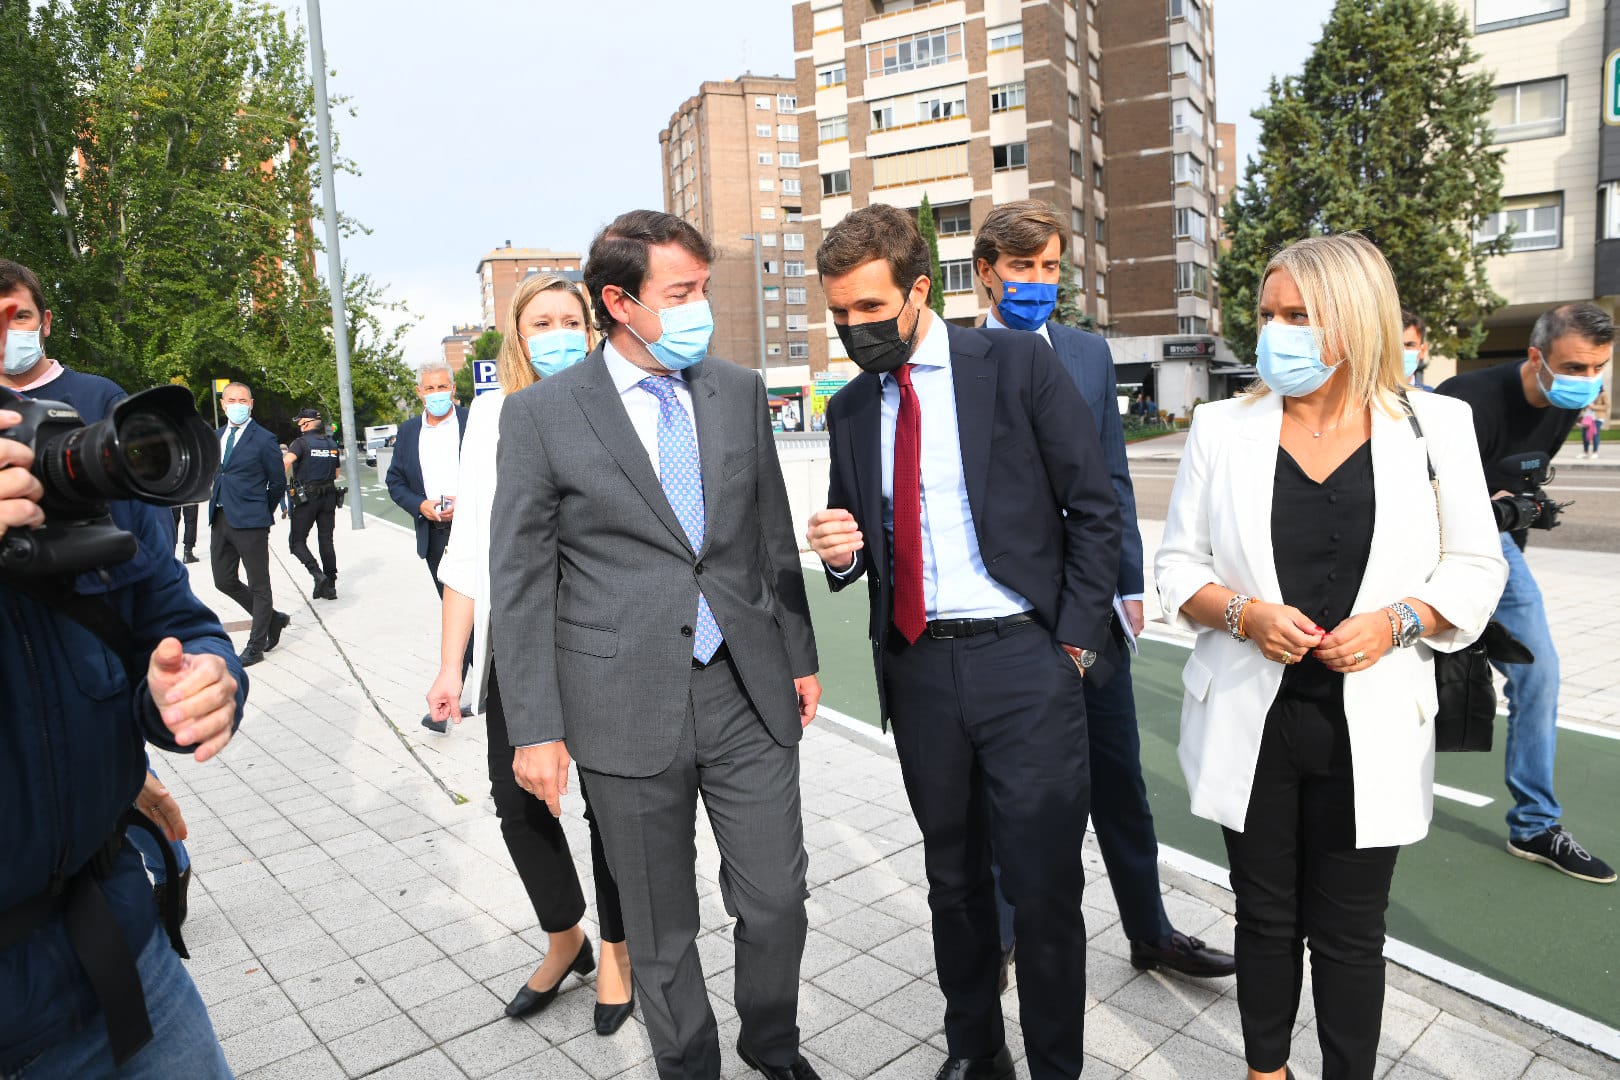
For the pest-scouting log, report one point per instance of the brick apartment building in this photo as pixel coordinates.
(499, 272)
(1227, 177)
(457, 344)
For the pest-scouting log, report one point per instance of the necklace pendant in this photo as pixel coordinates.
(1316, 434)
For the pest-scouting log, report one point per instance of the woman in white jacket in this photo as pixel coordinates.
(1321, 571)
(551, 330)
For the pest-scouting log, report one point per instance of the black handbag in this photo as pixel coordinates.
(1466, 719)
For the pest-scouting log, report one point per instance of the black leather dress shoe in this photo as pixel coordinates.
(278, 622)
(999, 1067)
(610, 1018)
(251, 655)
(799, 1070)
(438, 726)
(1183, 954)
(190, 557)
(528, 1002)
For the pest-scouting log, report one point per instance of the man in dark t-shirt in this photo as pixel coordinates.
(1530, 406)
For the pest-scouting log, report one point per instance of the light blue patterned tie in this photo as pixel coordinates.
(680, 473)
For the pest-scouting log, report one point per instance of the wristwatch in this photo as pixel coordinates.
(1087, 658)
(1411, 627)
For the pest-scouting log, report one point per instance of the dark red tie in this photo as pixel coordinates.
(910, 612)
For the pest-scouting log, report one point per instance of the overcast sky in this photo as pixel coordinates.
(482, 121)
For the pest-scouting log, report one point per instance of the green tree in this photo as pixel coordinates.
(1386, 132)
(930, 232)
(487, 346)
(1068, 310)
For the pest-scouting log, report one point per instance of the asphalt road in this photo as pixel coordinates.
(1592, 523)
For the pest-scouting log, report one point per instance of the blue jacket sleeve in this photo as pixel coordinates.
(275, 470)
(399, 485)
(1112, 433)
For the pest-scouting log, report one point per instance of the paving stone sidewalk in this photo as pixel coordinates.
(350, 918)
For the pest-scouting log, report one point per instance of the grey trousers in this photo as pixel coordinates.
(750, 789)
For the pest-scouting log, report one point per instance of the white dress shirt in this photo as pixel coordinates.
(226, 437)
(642, 405)
(991, 322)
(439, 452)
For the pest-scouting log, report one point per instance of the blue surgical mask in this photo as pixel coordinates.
(1566, 391)
(1289, 359)
(1026, 305)
(23, 350)
(238, 413)
(439, 404)
(685, 337)
(1409, 362)
(556, 350)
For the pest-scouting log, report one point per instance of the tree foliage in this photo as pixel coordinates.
(487, 346)
(156, 171)
(1385, 132)
(1068, 310)
(936, 278)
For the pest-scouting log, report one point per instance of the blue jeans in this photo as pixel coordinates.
(1532, 690)
(183, 1040)
(152, 855)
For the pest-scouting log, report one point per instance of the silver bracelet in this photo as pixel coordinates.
(1234, 615)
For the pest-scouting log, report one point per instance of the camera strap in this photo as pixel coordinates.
(93, 613)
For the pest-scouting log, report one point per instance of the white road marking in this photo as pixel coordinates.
(1446, 791)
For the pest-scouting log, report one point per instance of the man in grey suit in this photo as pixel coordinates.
(650, 622)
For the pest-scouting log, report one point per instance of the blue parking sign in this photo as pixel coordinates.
(484, 377)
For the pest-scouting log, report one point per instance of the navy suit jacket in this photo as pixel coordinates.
(1087, 360)
(249, 485)
(405, 484)
(1046, 518)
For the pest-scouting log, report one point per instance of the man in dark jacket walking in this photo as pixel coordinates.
(241, 510)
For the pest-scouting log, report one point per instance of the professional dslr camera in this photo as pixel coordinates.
(154, 448)
(1534, 509)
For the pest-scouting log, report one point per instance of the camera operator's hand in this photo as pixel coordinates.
(156, 803)
(195, 693)
(20, 491)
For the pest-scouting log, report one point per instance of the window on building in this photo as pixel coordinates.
(1096, 122)
(1071, 49)
(1007, 97)
(1536, 221)
(767, 213)
(792, 213)
(948, 106)
(770, 266)
(1184, 61)
(1609, 211)
(829, 75)
(828, 20)
(1186, 118)
(788, 159)
(787, 102)
(1094, 66)
(793, 241)
(787, 132)
(762, 130)
(1102, 283)
(767, 184)
(883, 116)
(1077, 221)
(1009, 156)
(1529, 110)
(773, 349)
(914, 51)
(1192, 279)
(1077, 163)
(1074, 107)
(920, 166)
(767, 239)
(798, 322)
(794, 268)
(798, 350)
(835, 183)
(1192, 324)
(773, 293)
(955, 219)
(1191, 225)
(1189, 170)
(1190, 11)
(791, 187)
(773, 322)
(1004, 38)
(1096, 176)
(957, 275)
(833, 129)
(765, 157)
(798, 295)
(762, 103)
(1099, 230)
(1502, 14)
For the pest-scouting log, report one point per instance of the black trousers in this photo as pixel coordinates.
(991, 734)
(189, 513)
(1298, 876)
(249, 548)
(320, 512)
(538, 845)
(438, 540)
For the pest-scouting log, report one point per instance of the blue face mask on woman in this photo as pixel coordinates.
(552, 351)
(685, 337)
(439, 404)
(1289, 359)
(1570, 391)
(1026, 305)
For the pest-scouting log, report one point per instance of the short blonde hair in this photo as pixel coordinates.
(1354, 308)
(512, 365)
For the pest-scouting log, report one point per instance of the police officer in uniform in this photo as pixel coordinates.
(313, 459)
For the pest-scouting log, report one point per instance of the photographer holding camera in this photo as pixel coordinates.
(1522, 415)
(104, 652)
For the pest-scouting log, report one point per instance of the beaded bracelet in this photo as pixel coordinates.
(1235, 608)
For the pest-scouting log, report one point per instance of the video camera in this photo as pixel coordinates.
(154, 448)
(1534, 509)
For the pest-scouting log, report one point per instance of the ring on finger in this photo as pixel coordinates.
(1361, 657)
(1287, 657)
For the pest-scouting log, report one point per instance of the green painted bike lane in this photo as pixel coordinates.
(1458, 895)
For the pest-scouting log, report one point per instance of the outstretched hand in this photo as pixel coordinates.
(195, 694)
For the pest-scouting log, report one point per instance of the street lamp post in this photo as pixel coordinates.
(334, 262)
(759, 305)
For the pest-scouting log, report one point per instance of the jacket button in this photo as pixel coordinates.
(686, 631)
(698, 569)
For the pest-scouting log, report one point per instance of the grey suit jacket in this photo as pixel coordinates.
(595, 587)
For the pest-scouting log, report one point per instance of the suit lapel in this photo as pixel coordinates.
(1254, 479)
(973, 377)
(604, 411)
(707, 421)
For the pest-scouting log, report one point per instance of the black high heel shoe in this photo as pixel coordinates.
(610, 1018)
(528, 1002)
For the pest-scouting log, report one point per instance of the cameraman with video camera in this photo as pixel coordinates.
(1522, 415)
(102, 654)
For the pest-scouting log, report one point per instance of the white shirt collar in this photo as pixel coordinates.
(994, 323)
(625, 375)
(934, 350)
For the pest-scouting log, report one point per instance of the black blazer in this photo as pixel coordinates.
(1043, 508)
(405, 484)
(249, 485)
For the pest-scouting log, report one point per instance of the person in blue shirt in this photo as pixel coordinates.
(1414, 348)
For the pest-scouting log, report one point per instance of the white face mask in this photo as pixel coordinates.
(23, 350)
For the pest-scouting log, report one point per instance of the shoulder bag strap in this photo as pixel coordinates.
(1434, 481)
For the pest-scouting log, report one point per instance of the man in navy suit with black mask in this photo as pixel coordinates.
(1018, 256)
(968, 487)
(241, 510)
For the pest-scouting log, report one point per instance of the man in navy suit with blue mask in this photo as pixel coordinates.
(1018, 257)
(241, 510)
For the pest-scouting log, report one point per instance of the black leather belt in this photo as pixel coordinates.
(955, 628)
(720, 655)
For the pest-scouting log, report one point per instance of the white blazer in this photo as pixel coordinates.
(464, 566)
(1219, 531)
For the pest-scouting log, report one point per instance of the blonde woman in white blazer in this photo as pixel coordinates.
(1305, 547)
(551, 329)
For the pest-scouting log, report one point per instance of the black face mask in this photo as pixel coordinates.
(877, 347)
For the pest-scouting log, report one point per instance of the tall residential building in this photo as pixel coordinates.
(1158, 61)
(457, 344)
(971, 102)
(731, 168)
(499, 272)
(1227, 178)
(1557, 116)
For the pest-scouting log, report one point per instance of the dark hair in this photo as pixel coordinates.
(1412, 318)
(13, 274)
(1018, 228)
(618, 255)
(1584, 319)
(878, 231)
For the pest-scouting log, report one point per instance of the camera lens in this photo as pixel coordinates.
(152, 452)
(153, 448)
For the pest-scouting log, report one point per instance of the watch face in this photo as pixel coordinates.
(1087, 658)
